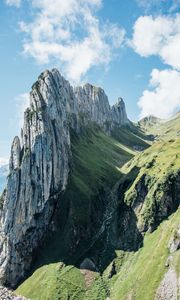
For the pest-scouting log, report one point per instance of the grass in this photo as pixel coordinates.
(132, 137)
(158, 169)
(142, 272)
(163, 129)
(139, 273)
(98, 162)
(51, 282)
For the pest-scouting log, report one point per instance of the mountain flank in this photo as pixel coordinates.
(91, 206)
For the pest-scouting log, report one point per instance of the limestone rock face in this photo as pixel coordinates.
(6, 294)
(169, 287)
(15, 154)
(39, 170)
(93, 102)
(174, 243)
(118, 113)
(40, 164)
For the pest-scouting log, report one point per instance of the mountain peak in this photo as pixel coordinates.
(40, 164)
(120, 101)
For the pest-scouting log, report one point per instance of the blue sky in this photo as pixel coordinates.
(130, 48)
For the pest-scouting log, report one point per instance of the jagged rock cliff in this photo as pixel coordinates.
(40, 164)
(93, 102)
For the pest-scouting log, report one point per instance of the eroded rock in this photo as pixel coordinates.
(40, 165)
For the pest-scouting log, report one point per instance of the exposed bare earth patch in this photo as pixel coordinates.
(89, 277)
(169, 287)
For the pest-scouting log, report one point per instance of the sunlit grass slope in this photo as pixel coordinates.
(141, 273)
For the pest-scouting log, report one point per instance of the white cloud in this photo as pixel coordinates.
(16, 3)
(22, 102)
(163, 99)
(69, 34)
(158, 36)
(3, 161)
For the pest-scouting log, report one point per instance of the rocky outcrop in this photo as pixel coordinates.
(6, 294)
(94, 104)
(118, 113)
(169, 287)
(15, 159)
(40, 164)
(174, 243)
(39, 168)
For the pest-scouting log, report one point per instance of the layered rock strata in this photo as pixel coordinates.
(40, 163)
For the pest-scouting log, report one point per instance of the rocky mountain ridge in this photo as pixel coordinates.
(40, 164)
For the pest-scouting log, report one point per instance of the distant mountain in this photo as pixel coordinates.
(3, 175)
(149, 121)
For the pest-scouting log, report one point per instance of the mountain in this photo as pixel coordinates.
(90, 210)
(161, 129)
(40, 164)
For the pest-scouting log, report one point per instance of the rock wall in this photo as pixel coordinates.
(40, 163)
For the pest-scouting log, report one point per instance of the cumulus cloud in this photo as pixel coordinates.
(69, 34)
(158, 36)
(3, 161)
(16, 3)
(22, 102)
(163, 97)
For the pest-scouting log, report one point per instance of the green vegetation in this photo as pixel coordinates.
(53, 282)
(139, 273)
(158, 169)
(162, 129)
(142, 271)
(98, 162)
(132, 137)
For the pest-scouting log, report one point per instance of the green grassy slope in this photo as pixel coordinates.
(141, 273)
(99, 161)
(162, 129)
(96, 163)
(159, 168)
(53, 282)
(133, 137)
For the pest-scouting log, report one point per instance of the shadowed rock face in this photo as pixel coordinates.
(40, 164)
(118, 113)
(93, 102)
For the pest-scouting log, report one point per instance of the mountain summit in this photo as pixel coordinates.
(40, 163)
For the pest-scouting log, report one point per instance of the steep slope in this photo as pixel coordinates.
(139, 274)
(161, 129)
(138, 254)
(40, 164)
(97, 159)
(82, 204)
(154, 189)
(136, 275)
